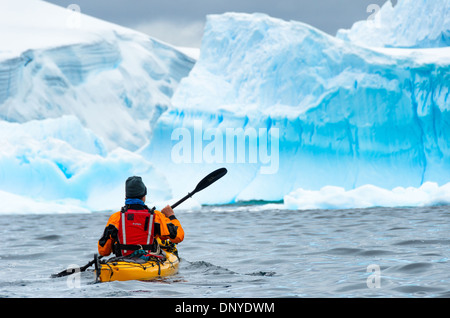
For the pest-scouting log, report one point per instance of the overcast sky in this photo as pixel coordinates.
(181, 22)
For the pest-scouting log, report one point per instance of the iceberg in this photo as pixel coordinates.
(115, 80)
(346, 115)
(76, 101)
(368, 196)
(54, 162)
(298, 117)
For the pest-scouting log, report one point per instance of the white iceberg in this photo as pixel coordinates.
(76, 101)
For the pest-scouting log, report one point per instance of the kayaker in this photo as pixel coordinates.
(136, 227)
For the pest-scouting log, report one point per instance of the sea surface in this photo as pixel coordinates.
(244, 251)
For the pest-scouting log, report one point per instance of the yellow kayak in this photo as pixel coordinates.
(136, 269)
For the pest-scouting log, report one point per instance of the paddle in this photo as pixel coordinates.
(205, 182)
(68, 272)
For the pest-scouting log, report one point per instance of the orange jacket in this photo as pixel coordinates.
(165, 228)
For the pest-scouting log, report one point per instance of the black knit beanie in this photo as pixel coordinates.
(135, 188)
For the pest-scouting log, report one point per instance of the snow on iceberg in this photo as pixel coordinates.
(410, 24)
(347, 115)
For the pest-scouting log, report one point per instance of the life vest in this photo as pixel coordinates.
(136, 229)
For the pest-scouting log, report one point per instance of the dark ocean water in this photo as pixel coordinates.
(245, 252)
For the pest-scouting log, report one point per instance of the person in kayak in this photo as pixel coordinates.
(136, 227)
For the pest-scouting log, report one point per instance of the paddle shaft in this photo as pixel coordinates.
(189, 195)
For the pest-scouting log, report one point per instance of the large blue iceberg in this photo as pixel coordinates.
(296, 115)
(346, 115)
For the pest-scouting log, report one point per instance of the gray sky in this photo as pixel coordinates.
(181, 22)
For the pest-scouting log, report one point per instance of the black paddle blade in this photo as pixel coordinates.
(68, 272)
(210, 179)
(65, 272)
(206, 181)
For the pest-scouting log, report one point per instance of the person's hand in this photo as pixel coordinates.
(167, 211)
